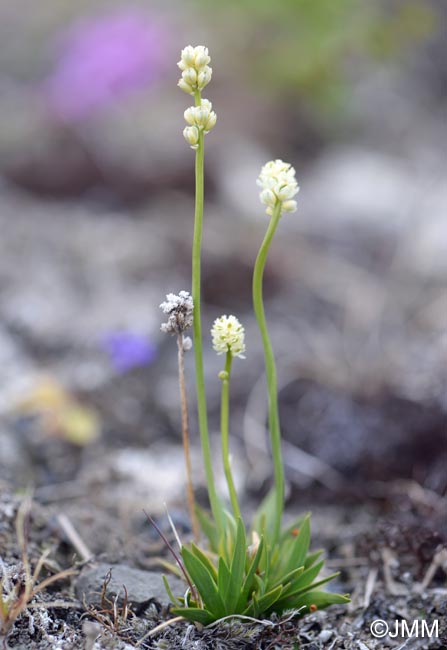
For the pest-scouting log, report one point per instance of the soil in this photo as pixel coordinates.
(383, 562)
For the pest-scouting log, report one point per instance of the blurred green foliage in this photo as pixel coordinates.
(311, 46)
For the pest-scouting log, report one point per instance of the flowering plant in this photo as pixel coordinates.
(264, 568)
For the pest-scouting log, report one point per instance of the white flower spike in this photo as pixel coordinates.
(228, 336)
(278, 186)
(196, 73)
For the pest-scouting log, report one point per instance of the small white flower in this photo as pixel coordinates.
(190, 115)
(190, 76)
(289, 206)
(191, 135)
(204, 77)
(185, 86)
(278, 186)
(180, 309)
(228, 336)
(196, 73)
(187, 57)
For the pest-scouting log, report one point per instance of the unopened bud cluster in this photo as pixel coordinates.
(228, 336)
(278, 186)
(199, 118)
(196, 73)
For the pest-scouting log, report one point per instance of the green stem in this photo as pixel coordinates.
(224, 430)
(270, 367)
(197, 329)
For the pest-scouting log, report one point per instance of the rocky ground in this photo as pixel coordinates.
(89, 416)
(361, 401)
(393, 568)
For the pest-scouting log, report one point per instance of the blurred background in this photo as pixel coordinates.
(96, 218)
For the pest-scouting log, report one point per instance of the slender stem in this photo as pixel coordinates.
(224, 430)
(270, 367)
(185, 437)
(197, 329)
(176, 557)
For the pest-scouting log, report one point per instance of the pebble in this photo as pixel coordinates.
(325, 635)
(142, 587)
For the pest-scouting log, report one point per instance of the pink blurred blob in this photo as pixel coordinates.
(103, 60)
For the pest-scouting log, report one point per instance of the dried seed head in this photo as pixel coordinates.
(180, 309)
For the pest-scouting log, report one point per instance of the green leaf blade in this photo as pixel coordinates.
(204, 582)
(195, 614)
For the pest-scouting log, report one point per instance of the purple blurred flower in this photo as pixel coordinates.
(128, 350)
(104, 59)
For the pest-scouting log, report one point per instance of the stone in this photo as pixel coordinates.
(143, 587)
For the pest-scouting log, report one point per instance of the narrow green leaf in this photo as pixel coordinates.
(172, 598)
(223, 581)
(264, 603)
(294, 525)
(322, 599)
(195, 614)
(260, 587)
(205, 560)
(265, 517)
(247, 587)
(237, 568)
(266, 556)
(304, 580)
(320, 582)
(228, 540)
(208, 527)
(312, 558)
(300, 547)
(294, 599)
(289, 578)
(204, 582)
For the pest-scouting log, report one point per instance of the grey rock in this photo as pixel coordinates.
(142, 586)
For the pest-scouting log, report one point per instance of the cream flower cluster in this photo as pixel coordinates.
(278, 185)
(199, 118)
(228, 336)
(196, 73)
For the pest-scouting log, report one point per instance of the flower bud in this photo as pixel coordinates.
(185, 86)
(268, 197)
(190, 76)
(201, 57)
(204, 77)
(289, 206)
(210, 122)
(191, 135)
(190, 115)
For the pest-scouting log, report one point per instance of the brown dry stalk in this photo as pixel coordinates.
(15, 599)
(185, 437)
